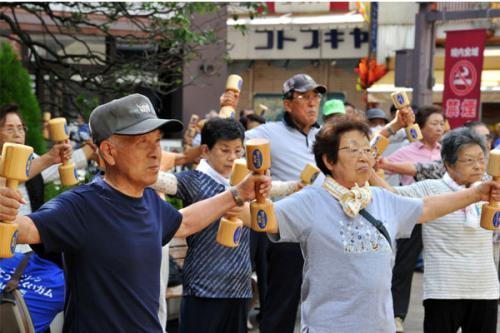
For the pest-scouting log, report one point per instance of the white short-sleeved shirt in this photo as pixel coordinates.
(290, 149)
(347, 271)
(458, 259)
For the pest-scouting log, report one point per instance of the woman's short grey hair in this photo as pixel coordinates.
(457, 139)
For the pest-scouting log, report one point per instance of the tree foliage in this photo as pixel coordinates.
(145, 42)
(15, 87)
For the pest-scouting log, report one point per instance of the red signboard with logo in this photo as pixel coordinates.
(462, 75)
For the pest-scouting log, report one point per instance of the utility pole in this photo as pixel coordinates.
(423, 57)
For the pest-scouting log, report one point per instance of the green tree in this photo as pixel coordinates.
(146, 43)
(15, 87)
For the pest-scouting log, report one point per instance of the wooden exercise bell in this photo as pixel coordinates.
(490, 212)
(230, 229)
(309, 174)
(59, 133)
(46, 117)
(379, 144)
(234, 83)
(401, 101)
(261, 209)
(15, 166)
(261, 109)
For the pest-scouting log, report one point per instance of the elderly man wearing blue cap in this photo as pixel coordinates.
(111, 230)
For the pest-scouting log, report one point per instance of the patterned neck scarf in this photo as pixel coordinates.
(352, 200)
(473, 211)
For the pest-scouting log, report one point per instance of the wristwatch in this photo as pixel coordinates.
(234, 192)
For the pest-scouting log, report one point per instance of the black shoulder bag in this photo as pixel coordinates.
(14, 314)
(377, 224)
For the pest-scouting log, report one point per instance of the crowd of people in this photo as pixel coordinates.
(344, 249)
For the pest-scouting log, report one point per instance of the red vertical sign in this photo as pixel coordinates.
(462, 75)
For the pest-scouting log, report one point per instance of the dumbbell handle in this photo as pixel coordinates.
(258, 196)
(12, 184)
(493, 202)
(64, 161)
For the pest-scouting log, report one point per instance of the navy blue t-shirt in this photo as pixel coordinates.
(112, 252)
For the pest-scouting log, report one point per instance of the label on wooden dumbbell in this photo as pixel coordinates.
(262, 219)
(13, 242)
(314, 176)
(237, 235)
(257, 159)
(400, 98)
(413, 133)
(496, 220)
(28, 165)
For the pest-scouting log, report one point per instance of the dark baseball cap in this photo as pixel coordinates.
(129, 115)
(302, 83)
(376, 113)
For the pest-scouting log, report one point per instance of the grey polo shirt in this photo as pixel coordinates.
(291, 149)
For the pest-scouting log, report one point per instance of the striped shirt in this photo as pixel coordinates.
(212, 270)
(458, 259)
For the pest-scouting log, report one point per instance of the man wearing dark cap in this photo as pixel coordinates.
(291, 149)
(111, 230)
(376, 118)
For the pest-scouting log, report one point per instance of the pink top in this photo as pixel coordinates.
(413, 153)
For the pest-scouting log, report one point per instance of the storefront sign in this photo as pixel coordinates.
(463, 67)
(298, 43)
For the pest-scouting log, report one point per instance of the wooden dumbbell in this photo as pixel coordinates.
(379, 143)
(261, 109)
(261, 210)
(229, 233)
(401, 101)
(194, 119)
(309, 174)
(59, 133)
(46, 118)
(446, 126)
(490, 212)
(234, 83)
(15, 167)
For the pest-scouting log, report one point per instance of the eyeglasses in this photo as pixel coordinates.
(359, 151)
(471, 161)
(228, 152)
(11, 130)
(308, 98)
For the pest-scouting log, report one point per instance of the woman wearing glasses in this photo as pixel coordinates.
(460, 278)
(347, 272)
